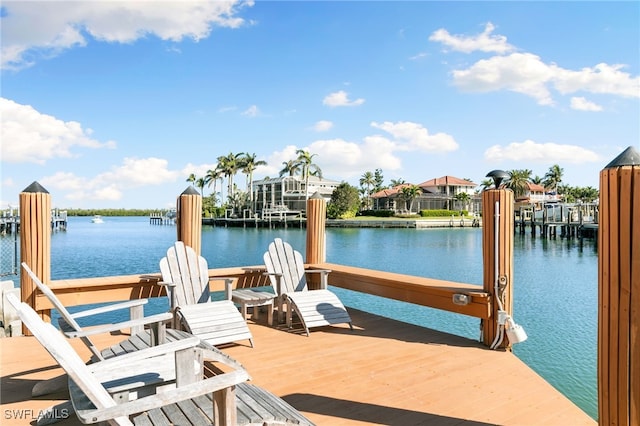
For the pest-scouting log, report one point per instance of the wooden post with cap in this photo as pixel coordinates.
(497, 252)
(316, 221)
(35, 242)
(619, 291)
(189, 219)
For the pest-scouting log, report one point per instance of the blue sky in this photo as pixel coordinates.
(113, 104)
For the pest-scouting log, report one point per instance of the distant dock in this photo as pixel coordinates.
(163, 218)
(557, 219)
(10, 221)
(453, 222)
(255, 222)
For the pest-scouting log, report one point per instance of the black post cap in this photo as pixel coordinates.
(35, 187)
(190, 191)
(498, 176)
(628, 157)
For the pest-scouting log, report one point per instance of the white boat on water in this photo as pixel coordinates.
(97, 219)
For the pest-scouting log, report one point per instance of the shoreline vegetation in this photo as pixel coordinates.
(427, 215)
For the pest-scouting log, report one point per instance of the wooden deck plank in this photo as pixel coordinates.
(382, 372)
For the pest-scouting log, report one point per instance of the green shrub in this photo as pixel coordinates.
(439, 213)
(376, 213)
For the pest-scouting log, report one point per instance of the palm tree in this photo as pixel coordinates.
(537, 180)
(518, 182)
(191, 178)
(212, 177)
(410, 193)
(463, 198)
(229, 166)
(367, 181)
(249, 164)
(486, 184)
(396, 182)
(200, 183)
(291, 167)
(308, 167)
(553, 177)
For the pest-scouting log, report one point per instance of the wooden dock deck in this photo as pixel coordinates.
(383, 372)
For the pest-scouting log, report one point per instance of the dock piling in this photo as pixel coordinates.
(619, 291)
(189, 219)
(316, 224)
(501, 202)
(35, 241)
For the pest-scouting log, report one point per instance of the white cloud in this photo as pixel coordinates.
(603, 78)
(47, 28)
(528, 74)
(337, 157)
(531, 151)
(135, 172)
(323, 126)
(252, 111)
(485, 41)
(110, 186)
(200, 170)
(30, 136)
(340, 98)
(519, 72)
(582, 104)
(275, 160)
(413, 136)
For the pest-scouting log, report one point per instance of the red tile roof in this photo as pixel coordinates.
(447, 181)
(389, 191)
(534, 187)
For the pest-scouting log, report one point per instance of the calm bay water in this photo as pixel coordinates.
(555, 281)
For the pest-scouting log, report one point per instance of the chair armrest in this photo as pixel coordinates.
(153, 351)
(168, 396)
(110, 308)
(227, 285)
(278, 285)
(121, 325)
(170, 292)
(323, 277)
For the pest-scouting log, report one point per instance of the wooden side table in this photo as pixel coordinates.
(254, 298)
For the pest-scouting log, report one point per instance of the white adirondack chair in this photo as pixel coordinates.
(187, 278)
(72, 329)
(286, 272)
(143, 385)
(134, 371)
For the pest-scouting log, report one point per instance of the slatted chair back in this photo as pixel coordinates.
(282, 259)
(66, 315)
(188, 273)
(64, 354)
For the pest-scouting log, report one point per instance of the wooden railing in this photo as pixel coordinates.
(407, 288)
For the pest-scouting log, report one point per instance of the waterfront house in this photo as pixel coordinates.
(289, 193)
(436, 194)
